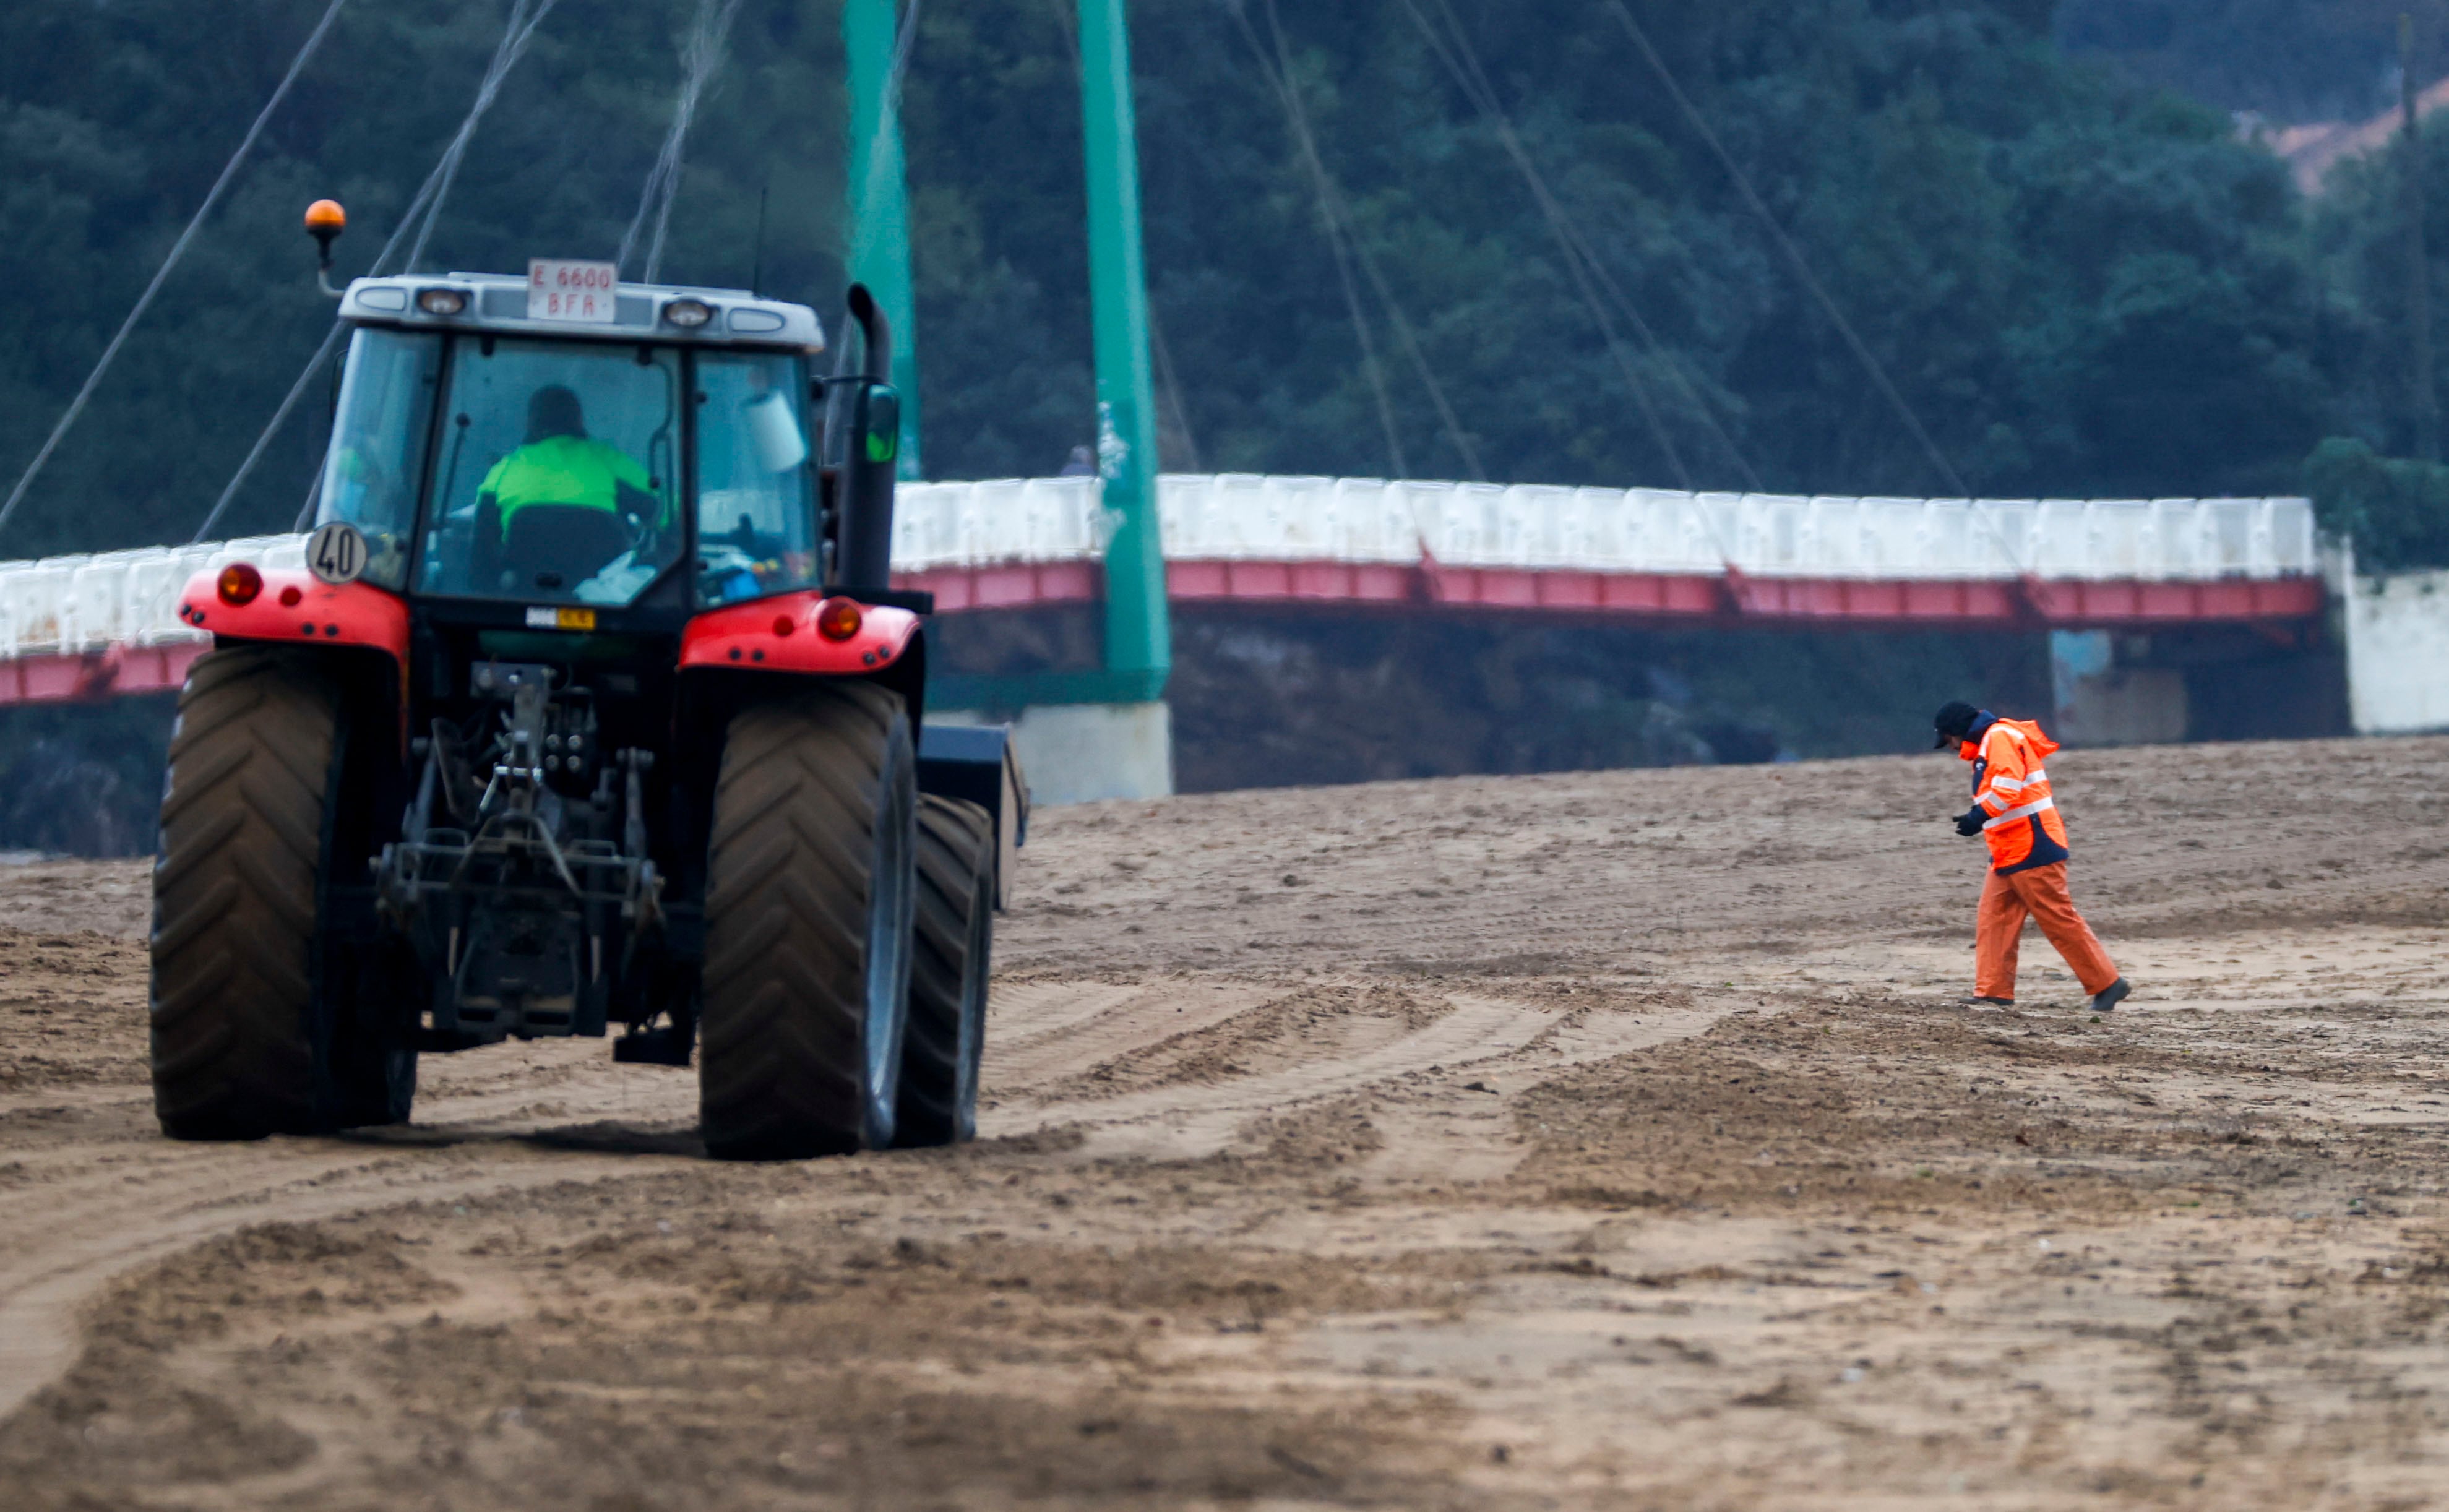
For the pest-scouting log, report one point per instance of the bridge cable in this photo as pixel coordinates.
(887, 125)
(1399, 465)
(1335, 210)
(1066, 19)
(178, 251)
(1793, 255)
(424, 208)
(702, 51)
(1342, 249)
(1574, 265)
(263, 440)
(1660, 353)
(516, 34)
(1172, 387)
(1590, 274)
(1447, 418)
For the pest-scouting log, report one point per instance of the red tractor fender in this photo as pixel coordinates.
(779, 635)
(293, 606)
(298, 608)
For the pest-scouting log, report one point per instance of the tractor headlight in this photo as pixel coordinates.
(688, 313)
(441, 301)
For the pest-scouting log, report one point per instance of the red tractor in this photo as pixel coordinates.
(593, 708)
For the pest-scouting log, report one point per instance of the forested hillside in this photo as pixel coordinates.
(2081, 283)
(2289, 61)
(2040, 221)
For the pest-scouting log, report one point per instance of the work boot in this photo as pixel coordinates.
(1975, 1000)
(2109, 996)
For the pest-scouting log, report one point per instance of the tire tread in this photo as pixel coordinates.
(235, 897)
(955, 846)
(781, 1071)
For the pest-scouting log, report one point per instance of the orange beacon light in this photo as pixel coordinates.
(325, 220)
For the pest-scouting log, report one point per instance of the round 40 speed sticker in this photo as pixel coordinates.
(335, 552)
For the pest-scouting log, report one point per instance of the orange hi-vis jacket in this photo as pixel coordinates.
(2012, 788)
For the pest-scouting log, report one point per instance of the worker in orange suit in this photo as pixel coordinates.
(2014, 811)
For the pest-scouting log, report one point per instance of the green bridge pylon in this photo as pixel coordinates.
(1138, 632)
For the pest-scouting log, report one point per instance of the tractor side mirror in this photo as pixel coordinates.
(880, 437)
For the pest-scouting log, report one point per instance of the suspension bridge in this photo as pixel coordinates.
(1132, 543)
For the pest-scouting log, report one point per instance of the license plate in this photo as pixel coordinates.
(543, 618)
(575, 292)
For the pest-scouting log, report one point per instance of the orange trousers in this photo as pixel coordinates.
(2042, 894)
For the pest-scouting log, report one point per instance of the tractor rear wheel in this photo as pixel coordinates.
(262, 1023)
(949, 962)
(807, 927)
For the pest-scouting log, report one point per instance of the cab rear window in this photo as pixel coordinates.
(556, 479)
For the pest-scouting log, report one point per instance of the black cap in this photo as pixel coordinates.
(1954, 722)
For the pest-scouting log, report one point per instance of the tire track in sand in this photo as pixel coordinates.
(1431, 1134)
(1186, 1120)
(123, 1196)
(1047, 1031)
(110, 1193)
(103, 1192)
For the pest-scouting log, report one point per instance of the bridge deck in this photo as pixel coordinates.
(86, 627)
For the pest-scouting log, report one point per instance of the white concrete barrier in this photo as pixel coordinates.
(1535, 527)
(957, 524)
(2397, 628)
(72, 604)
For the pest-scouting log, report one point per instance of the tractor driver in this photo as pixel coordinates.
(559, 464)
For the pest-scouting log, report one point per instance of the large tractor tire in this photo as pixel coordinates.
(262, 1023)
(949, 962)
(807, 927)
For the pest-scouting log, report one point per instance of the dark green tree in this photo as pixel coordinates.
(2080, 284)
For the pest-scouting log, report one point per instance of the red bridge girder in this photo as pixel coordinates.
(1730, 599)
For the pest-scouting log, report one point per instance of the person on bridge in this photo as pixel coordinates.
(2014, 811)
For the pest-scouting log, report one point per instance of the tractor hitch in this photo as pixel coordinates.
(525, 892)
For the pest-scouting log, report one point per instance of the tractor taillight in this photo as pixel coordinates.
(238, 585)
(838, 618)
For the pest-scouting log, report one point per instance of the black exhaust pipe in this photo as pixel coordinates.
(868, 409)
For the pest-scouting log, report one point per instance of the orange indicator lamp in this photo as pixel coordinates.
(838, 618)
(238, 583)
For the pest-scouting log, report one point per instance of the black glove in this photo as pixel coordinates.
(1971, 820)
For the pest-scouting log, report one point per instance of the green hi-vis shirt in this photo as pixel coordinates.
(563, 470)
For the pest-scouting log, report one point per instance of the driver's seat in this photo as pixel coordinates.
(566, 541)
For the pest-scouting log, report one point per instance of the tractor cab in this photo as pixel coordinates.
(615, 447)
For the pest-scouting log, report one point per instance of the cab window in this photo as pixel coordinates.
(756, 507)
(555, 478)
(378, 438)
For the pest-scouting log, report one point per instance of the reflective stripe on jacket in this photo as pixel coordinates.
(2012, 788)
